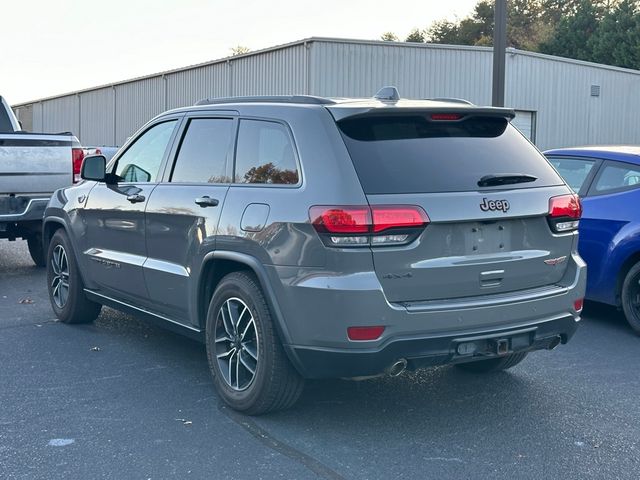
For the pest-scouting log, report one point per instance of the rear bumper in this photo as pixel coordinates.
(316, 308)
(17, 211)
(315, 362)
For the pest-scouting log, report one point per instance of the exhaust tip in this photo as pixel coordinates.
(555, 341)
(397, 367)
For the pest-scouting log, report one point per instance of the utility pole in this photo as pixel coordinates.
(499, 52)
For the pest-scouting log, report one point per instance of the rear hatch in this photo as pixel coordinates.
(485, 189)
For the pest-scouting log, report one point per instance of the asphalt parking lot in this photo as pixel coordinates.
(125, 399)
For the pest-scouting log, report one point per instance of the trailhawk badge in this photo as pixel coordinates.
(494, 205)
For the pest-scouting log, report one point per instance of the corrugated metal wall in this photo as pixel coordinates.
(97, 116)
(189, 86)
(556, 90)
(419, 71)
(559, 92)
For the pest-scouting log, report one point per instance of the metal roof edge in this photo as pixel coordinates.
(584, 63)
(304, 41)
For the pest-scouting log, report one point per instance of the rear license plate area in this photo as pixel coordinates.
(491, 237)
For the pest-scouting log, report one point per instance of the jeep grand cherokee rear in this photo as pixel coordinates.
(472, 236)
(303, 237)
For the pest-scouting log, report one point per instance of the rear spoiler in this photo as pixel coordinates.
(340, 113)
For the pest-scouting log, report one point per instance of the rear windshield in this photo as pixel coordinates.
(414, 154)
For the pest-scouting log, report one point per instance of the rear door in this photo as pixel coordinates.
(183, 212)
(482, 237)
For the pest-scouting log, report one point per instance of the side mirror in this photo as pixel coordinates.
(94, 168)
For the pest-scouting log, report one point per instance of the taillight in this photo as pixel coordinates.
(578, 304)
(564, 213)
(377, 225)
(77, 156)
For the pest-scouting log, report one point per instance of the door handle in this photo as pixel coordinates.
(135, 198)
(207, 202)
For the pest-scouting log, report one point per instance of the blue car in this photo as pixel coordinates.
(608, 181)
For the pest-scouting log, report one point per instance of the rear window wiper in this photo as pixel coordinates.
(505, 179)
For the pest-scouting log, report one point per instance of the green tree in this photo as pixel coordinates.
(389, 37)
(571, 36)
(416, 36)
(526, 27)
(617, 38)
(444, 31)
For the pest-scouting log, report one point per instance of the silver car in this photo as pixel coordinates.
(305, 237)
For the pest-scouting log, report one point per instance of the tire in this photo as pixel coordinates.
(36, 250)
(493, 364)
(274, 384)
(69, 303)
(630, 297)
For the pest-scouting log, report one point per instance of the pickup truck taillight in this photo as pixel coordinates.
(363, 226)
(564, 213)
(77, 156)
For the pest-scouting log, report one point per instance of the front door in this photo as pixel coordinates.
(114, 246)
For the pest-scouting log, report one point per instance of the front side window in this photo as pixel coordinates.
(617, 176)
(141, 161)
(202, 157)
(574, 170)
(265, 154)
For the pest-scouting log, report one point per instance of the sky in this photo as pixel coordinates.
(53, 47)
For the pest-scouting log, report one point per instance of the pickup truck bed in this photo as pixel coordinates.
(32, 167)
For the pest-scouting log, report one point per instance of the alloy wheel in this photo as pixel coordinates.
(236, 344)
(60, 280)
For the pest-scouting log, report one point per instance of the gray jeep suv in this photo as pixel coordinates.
(304, 237)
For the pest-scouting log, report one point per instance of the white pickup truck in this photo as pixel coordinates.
(32, 167)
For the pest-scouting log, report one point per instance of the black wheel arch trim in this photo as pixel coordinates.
(261, 273)
(46, 240)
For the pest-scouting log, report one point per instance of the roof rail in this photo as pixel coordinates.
(304, 99)
(450, 100)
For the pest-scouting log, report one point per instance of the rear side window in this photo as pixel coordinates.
(265, 154)
(202, 157)
(574, 170)
(617, 177)
(410, 153)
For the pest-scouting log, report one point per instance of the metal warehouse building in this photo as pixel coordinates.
(559, 102)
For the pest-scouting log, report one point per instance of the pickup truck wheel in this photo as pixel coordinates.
(36, 250)
(631, 297)
(250, 369)
(66, 289)
(493, 364)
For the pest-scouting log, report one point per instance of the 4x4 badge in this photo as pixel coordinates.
(494, 205)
